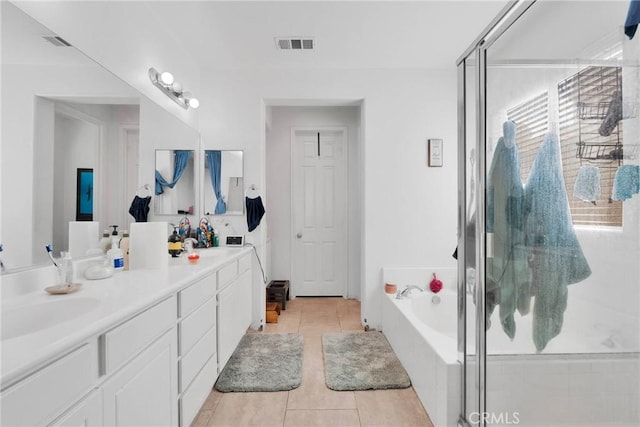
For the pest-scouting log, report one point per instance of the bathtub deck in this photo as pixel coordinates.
(313, 404)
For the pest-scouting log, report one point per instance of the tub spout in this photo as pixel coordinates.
(403, 293)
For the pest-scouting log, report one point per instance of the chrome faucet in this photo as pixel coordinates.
(403, 293)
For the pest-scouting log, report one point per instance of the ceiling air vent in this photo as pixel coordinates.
(295, 43)
(57, 41)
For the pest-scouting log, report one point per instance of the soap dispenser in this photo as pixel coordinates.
(115, 254)
(175, 244)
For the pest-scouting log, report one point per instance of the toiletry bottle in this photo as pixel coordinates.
(105, 242)
(175, 245)
(115, 254)
(124, 246)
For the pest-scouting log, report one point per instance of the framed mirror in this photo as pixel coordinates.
(174, 182)
(223, 182)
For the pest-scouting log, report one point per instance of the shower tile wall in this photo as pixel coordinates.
(581, 390)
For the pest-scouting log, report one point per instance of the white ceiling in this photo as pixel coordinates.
(22, 42)
(348, 34)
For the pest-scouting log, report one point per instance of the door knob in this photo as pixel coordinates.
(299, 235)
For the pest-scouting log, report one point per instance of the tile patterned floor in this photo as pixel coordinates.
(313, 404)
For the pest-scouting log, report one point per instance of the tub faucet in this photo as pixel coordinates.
(403, 293)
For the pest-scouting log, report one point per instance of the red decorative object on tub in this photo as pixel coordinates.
(435, 285)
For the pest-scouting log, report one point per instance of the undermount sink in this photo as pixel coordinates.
(27, 319)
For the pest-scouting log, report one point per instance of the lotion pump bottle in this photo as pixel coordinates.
(115, 254)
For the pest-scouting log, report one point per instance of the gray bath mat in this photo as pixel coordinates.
(263, 362)
(361, 361)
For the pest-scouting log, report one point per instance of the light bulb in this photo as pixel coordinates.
(166, 78)
(194, 103)
(176, 87)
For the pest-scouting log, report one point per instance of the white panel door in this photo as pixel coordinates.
(319, 213)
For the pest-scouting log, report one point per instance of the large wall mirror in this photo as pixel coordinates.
(223, 182)
(65, 120)
(174, 185)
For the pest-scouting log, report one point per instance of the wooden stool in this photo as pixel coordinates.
(278, 291)
(273, 310)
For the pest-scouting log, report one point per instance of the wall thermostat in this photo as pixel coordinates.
(235, 240)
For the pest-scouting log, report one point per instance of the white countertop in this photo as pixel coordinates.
(119, 297)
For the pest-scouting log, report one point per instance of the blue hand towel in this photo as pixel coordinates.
(626, 182)
(587, 186)
(633, 19)
(554, 252)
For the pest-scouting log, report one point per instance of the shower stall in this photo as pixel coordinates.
(549, 218)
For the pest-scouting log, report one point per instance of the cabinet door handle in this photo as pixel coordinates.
(299, 235)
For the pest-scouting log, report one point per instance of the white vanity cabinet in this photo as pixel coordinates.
(154, 366)
(144, 392)
(144, 351)
(197, 363)
(42, 396)
(234, 306)
(86, 413)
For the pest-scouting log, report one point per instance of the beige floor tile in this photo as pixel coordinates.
(314, 404)
(400, 407)
(350, 325)
(314, 394)
(287, 323)
(213, 400)
(250, 409)
(312, 353)
(315, 330)
(321, 304)
(322, 418)
(203, 418)
(293, 305)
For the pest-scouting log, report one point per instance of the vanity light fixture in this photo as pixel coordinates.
(173, 89)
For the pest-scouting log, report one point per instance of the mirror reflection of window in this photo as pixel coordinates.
(174, 182)
(227, 180)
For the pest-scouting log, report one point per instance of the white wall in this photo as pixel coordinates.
(408, 209)
(278, 169)
(76, 146)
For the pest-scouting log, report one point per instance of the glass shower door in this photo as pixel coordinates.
(562, 247)
(466, 253)
(549, 303)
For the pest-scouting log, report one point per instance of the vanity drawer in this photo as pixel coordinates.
(126, 340)
(244, 264)
(42, 396)
(226, 274)
(194, 326)
(193, 361)
(192, 297)
(195, 395)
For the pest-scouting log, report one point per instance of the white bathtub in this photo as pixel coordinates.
(588, 375)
